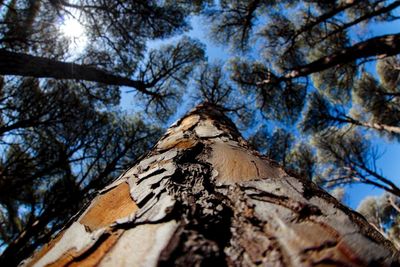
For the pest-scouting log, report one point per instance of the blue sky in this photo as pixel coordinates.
(388, 163)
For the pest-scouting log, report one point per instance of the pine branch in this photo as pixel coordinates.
(387, 45)
(12, 63)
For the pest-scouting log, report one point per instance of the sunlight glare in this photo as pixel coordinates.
(75, 32)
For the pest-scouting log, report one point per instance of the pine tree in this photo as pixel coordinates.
(383, 213)
(61, 143)
(201, 196)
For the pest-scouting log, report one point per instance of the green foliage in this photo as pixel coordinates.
(346, 156)
(291, 37)
(388, 70)
(234, 21)
(31, 26)
(58, 148)
(191, 6)
(379, 104)
(336, 83)
(341, 147)
(279, 101)
(166, 71)
(302, 161)
(211, 83)
(279, 145)
(320, 114)
(213, 86)
(383, 212)
(121, 29)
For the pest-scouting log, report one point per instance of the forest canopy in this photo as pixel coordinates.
(314, 85)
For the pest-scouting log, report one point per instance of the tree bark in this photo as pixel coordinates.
(13, 63)
(201, 196)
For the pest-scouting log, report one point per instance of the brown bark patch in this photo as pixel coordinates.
(185, 144)
(170, 141)
(107, 208)
(175, 136)
(235, 164)
(188, 122)
(179, 143)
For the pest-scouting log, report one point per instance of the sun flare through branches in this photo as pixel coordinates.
(75, 32)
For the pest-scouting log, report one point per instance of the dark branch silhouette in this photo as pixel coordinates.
(13, 63)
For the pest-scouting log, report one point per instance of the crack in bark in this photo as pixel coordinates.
(303, 210)
(255, 165)
(156, 172)
(205, 213)
(325, 245)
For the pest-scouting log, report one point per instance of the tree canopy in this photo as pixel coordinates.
(311, 83)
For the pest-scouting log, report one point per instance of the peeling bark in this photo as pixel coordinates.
(203, 197)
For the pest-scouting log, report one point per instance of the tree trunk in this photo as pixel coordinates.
(13, 63)
(203, 197)
(369, 125)
(381, 127)
(385, 45)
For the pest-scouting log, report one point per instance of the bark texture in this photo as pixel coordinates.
(202, 197)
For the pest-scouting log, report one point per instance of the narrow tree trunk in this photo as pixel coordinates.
(381, 127)
(385, 45)
(203, 197)
(13, 63)
(370, 125)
